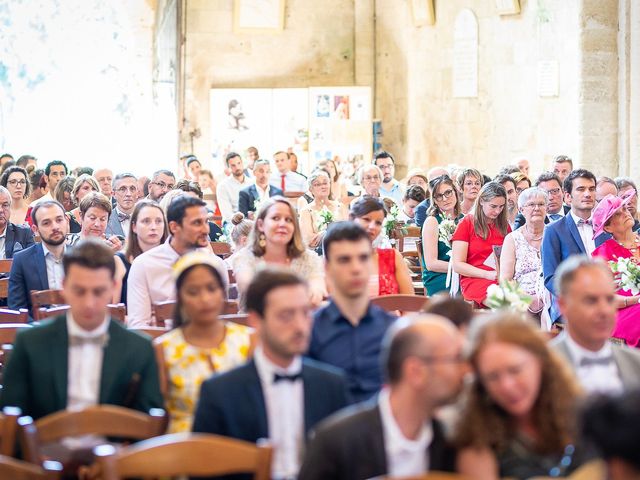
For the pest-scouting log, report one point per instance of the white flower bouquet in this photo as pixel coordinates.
(508, 294)
(392, 225)
(326, 217)
(627, 274)
(445, 231)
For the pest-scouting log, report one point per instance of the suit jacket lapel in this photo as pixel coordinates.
(312, 395)
(627, 375)
(255, 395)
(114, 224)
(59, 349)
(41, 268)
(378, 454)
(9, 240)
(571, 225)
(111, 361)
(254, 193)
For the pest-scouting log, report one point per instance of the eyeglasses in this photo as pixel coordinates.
(459, 358)
(320, 184)
(375, 178)
(441, 196)
(17, 182)
(539, 205)
(554, 191)
(385, 167)
(168, 186)
(123, 190)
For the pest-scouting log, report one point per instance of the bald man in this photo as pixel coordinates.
(421, 209)
(396, 434)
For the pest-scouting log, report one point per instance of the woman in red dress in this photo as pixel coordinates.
(474, 239)
(389, 274)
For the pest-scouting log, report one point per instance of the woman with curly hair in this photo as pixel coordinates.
(519, 418)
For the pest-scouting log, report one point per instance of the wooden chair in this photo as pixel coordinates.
(8, 331)
(5, 265)
(45, 298)
(118, 311)
(222, 249)
(5, 269)
(105, 420)
(420, 255)
(402, 303)
(190, 454)
(240, 318)
(163, 311)
(293, 194)
(153, 332)
(13, 469)
(4, 287)
(14, 316)
(8, 430)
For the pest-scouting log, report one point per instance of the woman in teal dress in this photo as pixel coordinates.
(442, 218)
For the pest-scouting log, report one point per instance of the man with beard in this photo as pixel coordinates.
(390, 186)
(150, 278)
(161, 182)
(39, 267)
(228, 191)
(509, 185)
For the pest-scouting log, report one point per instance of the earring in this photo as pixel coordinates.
(262, 240)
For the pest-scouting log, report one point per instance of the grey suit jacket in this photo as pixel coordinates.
(627, 360)
(113, 226)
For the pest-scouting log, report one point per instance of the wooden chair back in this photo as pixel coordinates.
(5, 265)
(14, 316)
(420, 255)
(240, 318)
(291, 194)
(222, 249)
(8, 430)
(402, 303)
(191, 454)
(106, 420)
(117, 311)
(4, 287)
(13, 469)
(45, 298)
(153, 332)
(8, 331)
(411, 231)
(164, 311)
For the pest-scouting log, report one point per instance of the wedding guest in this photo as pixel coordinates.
(200, 344)
(436, 240)
(339, 190)
(470, 182)
(413, 195)
(520, 257)
(250, 197)
(474, 239)
(95, 209)
(522, 182)
(55, 171)
(390, 187)
(625, 186)
(612, 216)
(455, 309)
(104, 177)
(83, 185)
(389, 272)
(148, 230)
(125, 187)
(523, 165)
(605, 186)
(519, 420)
(161, 182)
(421, 209)
(62, 193)
(509, 185)
(562, 167)
(16, 180)
(556, 209)
(370, 179)
(416, 176)
(13, 238)
(193, 168)
(228, 190)
(193, 189)
(312, 223)
(39, 188)
(240, 231)
(284, 177)
(276, 240)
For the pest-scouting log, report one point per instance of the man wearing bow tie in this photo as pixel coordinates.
(125, 188)
(572, 234)
(278, 395)
(587, 301)
(82, 358)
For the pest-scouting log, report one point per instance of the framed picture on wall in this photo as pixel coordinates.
(508, 7)
(258, 16)
(423, 12)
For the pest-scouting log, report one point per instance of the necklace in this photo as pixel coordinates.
(533, 239)
(634, 244)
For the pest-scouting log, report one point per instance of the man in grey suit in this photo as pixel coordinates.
(587, 300)
(125, 188)
(424, 370)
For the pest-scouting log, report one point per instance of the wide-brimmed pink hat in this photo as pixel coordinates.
(607, 207)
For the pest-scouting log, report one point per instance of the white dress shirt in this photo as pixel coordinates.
(405, 457)
(284, 402)
(55, 272)
(3, 241)
(44, 198)
(85, 365)
(395, 191)
(151, 281)
(596, 377)
(228, 194)
(293, 181)
(262, 194)
(586, 234)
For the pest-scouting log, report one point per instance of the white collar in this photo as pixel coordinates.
(4, 233)
(396, 440)
(73, 329)
(267, 369)
(46, 250)
(578, 352)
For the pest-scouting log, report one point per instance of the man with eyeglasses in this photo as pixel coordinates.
(125, 187)
(161, 182)
(397, 435)
(13, 238)
(371, 180)
(390, 187)
(556, 209)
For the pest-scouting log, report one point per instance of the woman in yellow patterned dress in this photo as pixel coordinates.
(200, 344)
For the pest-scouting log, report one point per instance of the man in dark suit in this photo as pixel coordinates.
(550, 183)
(259, 191)
(15, 237)
(82, 358)
(39, 267)
(424, 369)
(278, 395)
(572, 234)
(125, 189)
(587, 301)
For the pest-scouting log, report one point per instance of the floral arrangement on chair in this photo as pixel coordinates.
(627, 274)
(394, 228)
(326, 218)
(508, 294)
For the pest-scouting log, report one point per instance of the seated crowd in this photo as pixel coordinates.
(339, 386)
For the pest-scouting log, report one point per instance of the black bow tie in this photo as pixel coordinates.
(589, 361)
(123, 217)
(288, 378)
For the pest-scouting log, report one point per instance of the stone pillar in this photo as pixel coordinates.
(632, 165)
(598, 90)
(365, 45)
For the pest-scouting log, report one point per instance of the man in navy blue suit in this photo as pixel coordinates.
(573, 233)
(278, 395)
(39, 267)
(260, 190)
